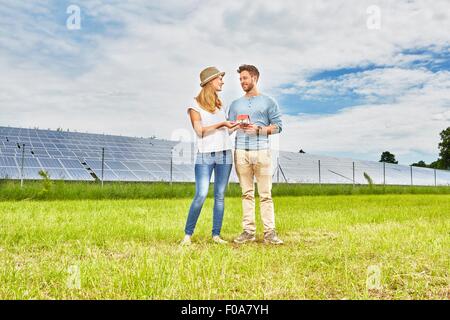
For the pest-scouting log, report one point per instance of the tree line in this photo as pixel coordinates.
(443, 162)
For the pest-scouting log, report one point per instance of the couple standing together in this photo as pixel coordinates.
(254, 116)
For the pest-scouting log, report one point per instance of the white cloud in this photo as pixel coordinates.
(381, 83)
(409, 127)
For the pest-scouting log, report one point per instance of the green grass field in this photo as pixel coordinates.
(128, 249)
(60, 190)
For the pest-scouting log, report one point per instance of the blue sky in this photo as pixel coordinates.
(345, 89)
(433, 61)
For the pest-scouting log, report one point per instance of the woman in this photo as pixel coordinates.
(214, 151)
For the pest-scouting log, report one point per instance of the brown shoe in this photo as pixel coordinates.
(270, 237)
(245, 237)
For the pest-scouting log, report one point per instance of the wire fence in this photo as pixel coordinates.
(327, 170)
(174, 162)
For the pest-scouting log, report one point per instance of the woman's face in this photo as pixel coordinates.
(217, 83)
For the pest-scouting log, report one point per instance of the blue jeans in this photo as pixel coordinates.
(221, 163)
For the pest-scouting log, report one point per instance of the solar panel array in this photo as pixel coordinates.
(307, 168)
(78, 156)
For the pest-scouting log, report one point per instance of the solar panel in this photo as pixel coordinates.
(28, 162)
(161, 176)
(108, 175)
(50, 163)
(144, 175)
(80, 154)
(7, 162)
(36, 145)
(31, 173)
(165, 166)
(68, 153)
(71, 164)
(54, 153)
(9, 173)
(140, 157)
(96, 165)
(116, 165)
(79, 174)
(120, 156)
(133, 165)
(151, 166)
(125, 175)
(443, 177)
(61, 146)
(59, 174)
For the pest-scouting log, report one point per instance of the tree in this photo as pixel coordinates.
(436, 164)
(444, 149)
(388, 157)
(421, 163)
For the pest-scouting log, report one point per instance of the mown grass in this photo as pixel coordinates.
(60, 190)
(128, 249)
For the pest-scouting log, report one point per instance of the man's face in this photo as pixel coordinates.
(248, 81)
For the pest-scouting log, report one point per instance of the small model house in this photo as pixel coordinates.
(243, 119)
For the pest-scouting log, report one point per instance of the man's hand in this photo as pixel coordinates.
(250, 129)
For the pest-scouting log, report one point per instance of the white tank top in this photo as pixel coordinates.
(218, 140)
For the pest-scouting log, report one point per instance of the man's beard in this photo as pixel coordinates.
(249, 88)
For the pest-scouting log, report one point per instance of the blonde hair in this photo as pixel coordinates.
(208, 98)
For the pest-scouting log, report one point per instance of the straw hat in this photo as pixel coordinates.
(209, 74)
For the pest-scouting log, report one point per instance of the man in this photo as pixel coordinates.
(252, 153)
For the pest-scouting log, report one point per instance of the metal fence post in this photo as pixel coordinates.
(103, 164)
(384, 173)
(353, 173)
(278, 170)
(21, 170)
(435, 184)
(320, 179)
(171, 165)
(411, 175)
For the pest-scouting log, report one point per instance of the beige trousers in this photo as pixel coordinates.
(258, 164)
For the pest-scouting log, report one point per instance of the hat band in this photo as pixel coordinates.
(210, 78)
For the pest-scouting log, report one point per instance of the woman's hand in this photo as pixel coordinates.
(230, 124)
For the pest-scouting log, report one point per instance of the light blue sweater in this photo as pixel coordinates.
(263, 111)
